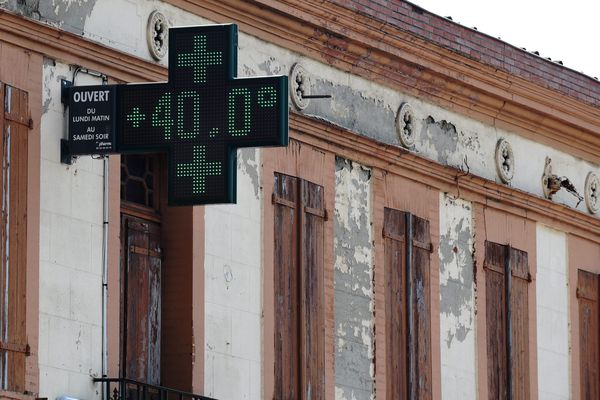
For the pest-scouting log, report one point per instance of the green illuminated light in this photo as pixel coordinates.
(161, 117)
(199, 59)
(199, 169)
(267, 96)
(135, 117)
(245, 92)
(189, 94)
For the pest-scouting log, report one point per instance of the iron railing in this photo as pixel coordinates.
(128, 389)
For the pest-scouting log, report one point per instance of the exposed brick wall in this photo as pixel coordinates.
(478, 46)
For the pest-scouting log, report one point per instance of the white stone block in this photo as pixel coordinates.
(45, 235)
(231, 284)
(86, 192)
(246, 241)
(55, 281)
(70, 243)
(86, 297)
(70, 345)
(81, 386)
(54, 382)
(218, 327)
(217, 232)
(231, 378)
(55, 194)
(246, 335)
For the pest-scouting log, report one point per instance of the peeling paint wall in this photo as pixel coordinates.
(552, 302)
(457, 304)
(70, 333)
(70, 15)
(233, 260)
(353, 282)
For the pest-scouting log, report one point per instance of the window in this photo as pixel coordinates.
(299, 217)
(588, 293)
(14, 125)
(506, 281)
(407, 248)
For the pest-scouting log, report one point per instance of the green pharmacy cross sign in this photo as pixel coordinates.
(202, 114)
(200, 117)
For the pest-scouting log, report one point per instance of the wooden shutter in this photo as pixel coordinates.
(519, 323)
(142, 301)
(507, 325)
(299, 292)
(287, 310)
(421, 304)
(407, 248)
(395, 311)
(312, 291)
(13, 234)
(588, 293)
(496, 324)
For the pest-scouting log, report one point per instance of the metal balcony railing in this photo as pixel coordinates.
(128, 389)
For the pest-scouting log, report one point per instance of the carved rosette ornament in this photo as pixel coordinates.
(299, 86)
(406, 125)
(157, 35)
(592, 192)
(505, 161)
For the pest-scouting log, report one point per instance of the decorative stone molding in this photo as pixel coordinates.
(505, 161)
(299, 86)
(157, 35)
(405, 125)
(592, 192)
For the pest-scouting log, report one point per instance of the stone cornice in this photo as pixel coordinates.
(74, 49)
(374, 50)
(446, 179)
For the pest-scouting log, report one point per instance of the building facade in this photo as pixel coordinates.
(430, 232)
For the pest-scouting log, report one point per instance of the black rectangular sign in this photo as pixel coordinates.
(92, 119)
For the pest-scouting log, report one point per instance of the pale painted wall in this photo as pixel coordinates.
(70, 256)
(457, 304)
(233, 277)
(552, 314)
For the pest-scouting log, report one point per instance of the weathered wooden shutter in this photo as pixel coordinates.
(496, 324)
(588, 293)
(287, 310)
(507, 277)
(13, 233)
(407, 248)
(299, 215)
(142, 301)
(395, 311)
(519, 322)
(312, 291)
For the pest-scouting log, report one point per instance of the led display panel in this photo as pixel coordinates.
(203, 114)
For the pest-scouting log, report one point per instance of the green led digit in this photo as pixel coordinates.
(199, 169)
(231, 102)
(161, 117)
(267, 96)
(195, 114)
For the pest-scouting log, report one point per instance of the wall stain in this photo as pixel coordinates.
(353, 282)
(456, 270)
(248, 165)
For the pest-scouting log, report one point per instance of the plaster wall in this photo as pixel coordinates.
(553, 328)
(70, 255)
(457, 303)
(233, 276)
(353, 283)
